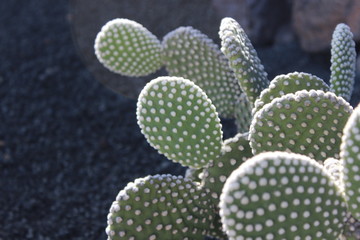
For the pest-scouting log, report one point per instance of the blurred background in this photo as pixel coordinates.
(69, 140)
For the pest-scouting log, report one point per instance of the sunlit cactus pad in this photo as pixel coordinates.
(278, 195)
(307, 122)
(243, 58)
(179, 120)
(235, 151)
(289, 83)
(343, 61)
(350, 154)
(160, 207)
(190, 54)
(128, 48)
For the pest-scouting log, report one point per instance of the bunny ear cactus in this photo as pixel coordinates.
(307, 122)
(343, 60)
(190, 54)
(279, 195)
(179, 120)
(160, 207)
(243, 59)
(350, 155)
(289, 83)
(234, 152)
(128, 48)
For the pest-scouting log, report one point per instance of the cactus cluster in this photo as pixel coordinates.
(291, 171)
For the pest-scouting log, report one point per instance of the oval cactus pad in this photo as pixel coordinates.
(243, 58)
(343, 61)
(350, 149)
(279, 195)
(179, 120)
(190, 54)
(160, 207)
(289, 83)
(128, 48)
(307, 122)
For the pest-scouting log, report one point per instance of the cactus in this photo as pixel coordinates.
(290, 173)
(128, 48)
(243, 59)
(343, 60)
(277, 195)
(298, 123)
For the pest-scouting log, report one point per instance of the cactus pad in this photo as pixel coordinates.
(289, 83)
(307, 122)
(126, 47)
(278, 195)
(190, 54)
(350, 149)
(343, 60)
(179, 120)
(243, 58)
(160, 207)
(235, 151)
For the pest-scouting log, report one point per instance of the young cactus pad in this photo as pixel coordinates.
(160, 207)
(128, 48)
(179, 120)
(343, 60)
(350, 155)
(190, 54)
(289, 83)
(243, 59)
(278, 195)
(307, 122)
(234, 152)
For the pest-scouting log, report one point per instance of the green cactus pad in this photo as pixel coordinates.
(343, 60)
(179, 120)
(279, 195)
(289, 83)
(190, 54)
(243, 58)
(234, 152)
(307, 122)
(350, 155)
(160, 207)
(126, 47)
(243, 114)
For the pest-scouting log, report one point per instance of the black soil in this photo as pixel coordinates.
(67, 143)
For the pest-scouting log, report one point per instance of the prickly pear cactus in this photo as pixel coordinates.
(128, 48)
(350, 156)
(343, 60)
(243, 59)
(190, 54)
(289, 83)
(307, 122)
(234, 152)
(179, 120)
(160, 207)
(279, 195)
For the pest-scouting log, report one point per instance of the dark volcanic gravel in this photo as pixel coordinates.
(67, 143)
